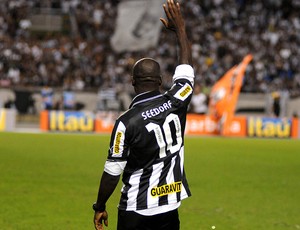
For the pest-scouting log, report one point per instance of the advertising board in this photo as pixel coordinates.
(269, 127)
(205, 125)
(67, 121)
(103, 122)
(7, 119)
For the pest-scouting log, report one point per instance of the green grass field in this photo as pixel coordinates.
(49, 181)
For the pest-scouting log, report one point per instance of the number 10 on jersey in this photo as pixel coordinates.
(164, 137)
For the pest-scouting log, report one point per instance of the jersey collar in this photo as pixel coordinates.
(144, 97)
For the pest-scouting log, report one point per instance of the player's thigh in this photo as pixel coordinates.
(168, 221)
(128, 220)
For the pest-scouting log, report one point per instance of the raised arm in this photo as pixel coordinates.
(175, 22)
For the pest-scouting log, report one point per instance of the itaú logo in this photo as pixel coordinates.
(71, 121)
(166, 189)
(269, 127)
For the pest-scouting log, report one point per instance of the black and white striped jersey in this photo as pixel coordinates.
(147, 145)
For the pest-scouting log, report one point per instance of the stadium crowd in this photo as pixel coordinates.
(222, 33)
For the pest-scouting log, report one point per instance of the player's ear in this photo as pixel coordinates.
(160, 80)
(133, 81)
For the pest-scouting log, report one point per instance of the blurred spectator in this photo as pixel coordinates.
(68, 100)
(47, 97)
(276, 103)
(199, 101)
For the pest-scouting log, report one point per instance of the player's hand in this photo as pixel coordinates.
(99, 218)
(174, 17)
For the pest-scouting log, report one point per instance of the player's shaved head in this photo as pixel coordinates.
(146, 69)
(146, 75)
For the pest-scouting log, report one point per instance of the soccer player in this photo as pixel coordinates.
(147, 143)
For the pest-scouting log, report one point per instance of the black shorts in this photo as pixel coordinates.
(129, 220)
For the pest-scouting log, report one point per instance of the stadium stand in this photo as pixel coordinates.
(80, 56)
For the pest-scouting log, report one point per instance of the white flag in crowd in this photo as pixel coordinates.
(138, 25)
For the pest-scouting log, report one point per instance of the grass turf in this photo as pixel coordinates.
(49, 181)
